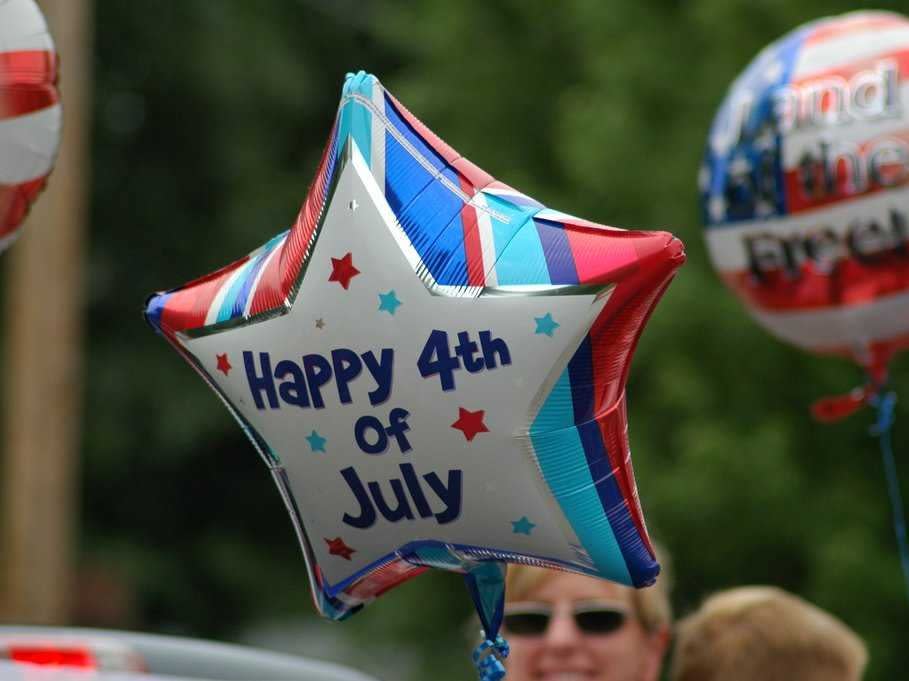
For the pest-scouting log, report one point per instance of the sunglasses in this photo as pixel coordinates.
(532, 619)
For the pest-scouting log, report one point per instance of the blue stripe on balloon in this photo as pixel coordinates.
(154, 309)
(447, 259)
(559, 258)
(403, 127)
(789, 52)
(453, 271)
(431, 222)
(753, 81)
(228, 307)
(450, 556)
(446, 555)
(249, 278)
(640, 564)
(334, 608)
(331, 163)
(405, 177)
(580, 368)
(564, 464)
(343, 127)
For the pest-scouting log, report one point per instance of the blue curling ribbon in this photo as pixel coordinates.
(884, 403)
(488, 658)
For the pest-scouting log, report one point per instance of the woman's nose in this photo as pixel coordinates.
(562, 630)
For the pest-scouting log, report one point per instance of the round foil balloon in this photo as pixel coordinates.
(805, 187)
(433, 364)
(30, 114)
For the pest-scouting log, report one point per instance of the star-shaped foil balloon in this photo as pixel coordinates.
(454, 351)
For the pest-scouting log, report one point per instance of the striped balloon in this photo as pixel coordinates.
(805, 187)
(30, 114)
(453, 236)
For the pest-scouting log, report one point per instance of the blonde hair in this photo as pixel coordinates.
(651, 604)
(765, 634)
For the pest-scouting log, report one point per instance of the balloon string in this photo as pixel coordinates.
(884, 403)
(488, 658)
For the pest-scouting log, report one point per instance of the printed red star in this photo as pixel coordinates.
(224, 364)
(470, 423)
(337, 547)
(343, 270)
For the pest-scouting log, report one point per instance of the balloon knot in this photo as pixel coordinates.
(838, 407)
(885, 404)
(488, 658)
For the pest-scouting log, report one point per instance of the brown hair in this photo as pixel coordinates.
(765, 634)
(651, 604)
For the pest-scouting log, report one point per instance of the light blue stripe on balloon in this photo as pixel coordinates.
(356, 118)
(564, 465)
(438, 557)
(504, 232)
(523, 260)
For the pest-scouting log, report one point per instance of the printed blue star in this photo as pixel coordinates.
(316, 442)
(522, 526)
(546, 324)
(389, 302)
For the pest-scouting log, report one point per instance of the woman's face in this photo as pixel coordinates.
(565, 652)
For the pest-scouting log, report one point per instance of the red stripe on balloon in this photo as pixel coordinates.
(378, 581)
(295, 249)
(267, 295)
(473, 174)
(27, 82)
(614, 337)
(473, 249)
(800, 200)
(15, 201)
(846, 71)
(601, 261)
(614, 334)
(836, 29)
(850, 282)
(478, 178)
(441, 147)
(614, 431)
(598, 260)
(187, 307)
(848, 176)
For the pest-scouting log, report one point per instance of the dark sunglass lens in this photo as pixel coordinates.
(600, 621)
(526, 623)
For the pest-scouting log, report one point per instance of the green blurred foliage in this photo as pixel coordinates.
(209, 121)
